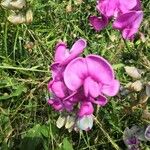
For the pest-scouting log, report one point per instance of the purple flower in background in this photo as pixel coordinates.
(147, 133)
(79, 83)
(127, 14)
(134, 135)
(130, 138)
(129, 23)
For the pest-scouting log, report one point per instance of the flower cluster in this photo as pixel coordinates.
(134, 135)
(16, 14)
(80, 82)
(127, 16)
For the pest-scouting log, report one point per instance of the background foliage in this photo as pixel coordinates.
(26, 51)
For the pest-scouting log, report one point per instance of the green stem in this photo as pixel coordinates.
(5, 36)
(126, 44)
(107, 135)
(23, 69)
(15, 43)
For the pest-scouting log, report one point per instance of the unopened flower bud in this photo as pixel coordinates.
(16, 19)
(29, 16)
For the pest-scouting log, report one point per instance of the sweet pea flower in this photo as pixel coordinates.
(63, 55)
(79, 83)
(60, 93)
(95, 75)
(128, 16)
(129, 23)
(131, 139)
(147, 133)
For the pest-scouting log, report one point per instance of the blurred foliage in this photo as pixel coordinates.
(26, 51)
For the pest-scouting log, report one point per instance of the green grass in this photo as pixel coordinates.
(26, 121)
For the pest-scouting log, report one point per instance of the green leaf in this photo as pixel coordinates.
(33, 139)
(44, 131)
(67, 145)
(18, 91)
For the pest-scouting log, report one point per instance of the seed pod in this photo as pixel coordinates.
(60, 121)
(143, 99)
(146, 115)
(135, 86)
(69, 7)
(29, 16)
(18, 4)
(6, 3)
(78, 2)
(148, 89)
(133, 72)
(70, 121)
(147, 133)
(9, 4)
(16, 19)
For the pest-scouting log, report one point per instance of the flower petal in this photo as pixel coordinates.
(91, 87)
(107, 7)
(76, 50)
(56, 70)
(98, 23)
(61, 52)
(85, 123)
(101, 100)
(75, 73)
(86, 108)
(111, 89)
(129, 23)
(59, 89)
(99, 69)
(125, 6)
(147, 133)
(138, 5)
(131, 19)
(55, 104)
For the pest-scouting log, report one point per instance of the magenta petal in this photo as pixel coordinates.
(138, 5)
(59, 89)
(50, 101)
(128, 20)
(129, 23)
(99, 69)
(111, 89)
(125, 5)
(86, 108)
(76, 50)
(57, 71)
(68, 106)
(98, 23)
(129, 33)
(107, 7)
(55, 104)
(101, 100)
(78, 46)
(91, 88)
(61, 52)
(49, 85)
(75, 73)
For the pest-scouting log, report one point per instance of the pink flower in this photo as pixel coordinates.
(56, 86)
(120, 10)
(95, 75)
(63, 55)
(79, 83)
(129, 23)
